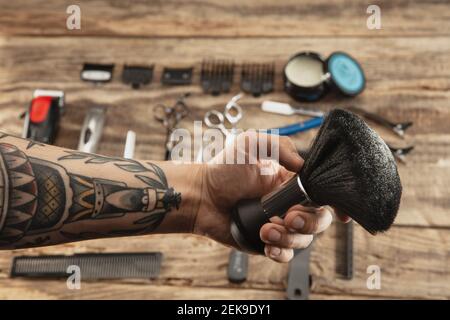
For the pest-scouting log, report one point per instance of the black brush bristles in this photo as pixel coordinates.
(350, 168)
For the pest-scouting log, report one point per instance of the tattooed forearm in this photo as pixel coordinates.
(31, 143)
(44, 202)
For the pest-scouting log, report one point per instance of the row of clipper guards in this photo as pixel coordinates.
(134, 75)
(216, 76)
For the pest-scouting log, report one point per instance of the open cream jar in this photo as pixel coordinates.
(307, 77)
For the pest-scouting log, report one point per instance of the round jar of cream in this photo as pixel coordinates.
(305, 77)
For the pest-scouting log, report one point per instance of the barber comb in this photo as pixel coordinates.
(216, 76)
(257, 78)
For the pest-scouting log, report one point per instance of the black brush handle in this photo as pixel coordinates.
(282, 198)
(250, 215)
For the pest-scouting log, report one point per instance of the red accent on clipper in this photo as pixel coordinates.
(40, 107)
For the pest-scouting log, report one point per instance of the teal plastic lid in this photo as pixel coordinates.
(346, 73)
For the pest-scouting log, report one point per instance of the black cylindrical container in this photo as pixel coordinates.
(305, 77)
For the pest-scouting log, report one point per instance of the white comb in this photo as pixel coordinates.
(287, 109)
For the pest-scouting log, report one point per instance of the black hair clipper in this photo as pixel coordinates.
(42, 117)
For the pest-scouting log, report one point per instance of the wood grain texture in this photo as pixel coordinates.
(406, 65)
(402, 85)
(232, 18)
(414, 264)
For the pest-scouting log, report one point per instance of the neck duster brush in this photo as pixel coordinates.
(348, 167)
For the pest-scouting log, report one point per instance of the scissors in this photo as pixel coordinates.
(233, 114)
(170, 117)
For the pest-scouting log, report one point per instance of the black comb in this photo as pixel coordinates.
(216, 76)
(257, 78)
(92, 265)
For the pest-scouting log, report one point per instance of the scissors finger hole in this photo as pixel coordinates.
(233, 112)
(214, 118)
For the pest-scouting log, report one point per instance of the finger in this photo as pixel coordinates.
(277, 220)
(289, 157)
(277, 235)
(284, 174)
(307, 222)
(278, 254)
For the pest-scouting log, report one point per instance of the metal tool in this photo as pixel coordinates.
(400, 153)
(170, 117)
(216, 76)
(288, 110)
(92, 129)
(298, 277)
(144, 265)
(398, 128)
(257, 78)
(232, 113)
(137, 76)
(42, 118)
(176, 76)
(97, 73)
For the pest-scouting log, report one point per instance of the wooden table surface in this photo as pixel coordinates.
(408, 78)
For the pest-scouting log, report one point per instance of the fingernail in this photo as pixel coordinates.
(275, 251)
(298, 223)
(274, 235)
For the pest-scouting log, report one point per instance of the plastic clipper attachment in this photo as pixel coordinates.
(176, 76)
(250, 215)
(136, 76)
(257, 78)
(216, 76)
(97, 73)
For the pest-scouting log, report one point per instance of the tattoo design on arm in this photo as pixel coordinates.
(31, 143)
(39, 197)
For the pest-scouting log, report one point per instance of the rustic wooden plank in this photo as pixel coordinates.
(14, 289)
(422, 59)
(225, 18)
(53, 289)
(414, 263)
(402, 86)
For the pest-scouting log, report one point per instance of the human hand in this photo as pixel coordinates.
(225, 184)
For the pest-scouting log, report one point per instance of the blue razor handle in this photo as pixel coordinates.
(298, 127)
